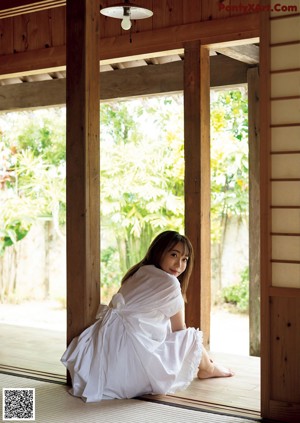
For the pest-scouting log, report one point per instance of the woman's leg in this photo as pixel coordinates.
(208, 369)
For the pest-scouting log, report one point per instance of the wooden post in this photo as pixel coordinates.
(265, 209)
(254, 211)
(197, 182)
(83, 187)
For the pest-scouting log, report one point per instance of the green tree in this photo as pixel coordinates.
(229, 158)
(229, 171)
(14, 219)
(32, 152)
(32, 178)
(142, 170)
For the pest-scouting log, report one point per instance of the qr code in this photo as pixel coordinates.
(18, 404)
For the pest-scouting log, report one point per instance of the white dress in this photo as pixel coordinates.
(130, 350)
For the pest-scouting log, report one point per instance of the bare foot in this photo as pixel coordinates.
(215, 371)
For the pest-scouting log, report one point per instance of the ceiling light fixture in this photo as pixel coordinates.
(127, 12)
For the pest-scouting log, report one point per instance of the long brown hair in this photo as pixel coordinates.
(164, 242)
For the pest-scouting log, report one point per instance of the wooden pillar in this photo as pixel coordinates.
(254, 211)
(83, 187)
(197, 182)
(265, 210)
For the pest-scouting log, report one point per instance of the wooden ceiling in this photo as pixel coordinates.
(143, 74)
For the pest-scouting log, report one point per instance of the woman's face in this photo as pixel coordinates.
(175, 260)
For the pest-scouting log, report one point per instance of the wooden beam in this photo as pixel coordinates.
(167, 78)
(118, 84)
(247, 53)
(33, 62)
(10, 8)
(197, 183)
(142, 81)
(83, 185)
(232, 72)
(31, 95)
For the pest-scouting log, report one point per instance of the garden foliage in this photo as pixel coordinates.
(142, 173)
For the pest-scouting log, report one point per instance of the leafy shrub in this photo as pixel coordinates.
(110, 273)
(238, 294)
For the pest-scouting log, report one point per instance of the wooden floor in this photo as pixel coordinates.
(238, 395)
(39, 351)
(34, 349)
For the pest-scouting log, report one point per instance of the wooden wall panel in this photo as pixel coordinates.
(20, 36)
(158, 19)
(38, 28)
(57, 17)
(285, 343)
(33, 31)
(212, 9)
(170, 14)
(108, 26)
(6, 36)
(186, 12)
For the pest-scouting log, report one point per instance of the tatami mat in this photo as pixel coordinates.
(55, 405)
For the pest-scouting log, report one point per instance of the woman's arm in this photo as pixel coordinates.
(177, 321)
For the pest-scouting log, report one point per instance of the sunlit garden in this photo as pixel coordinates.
(142, 193)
